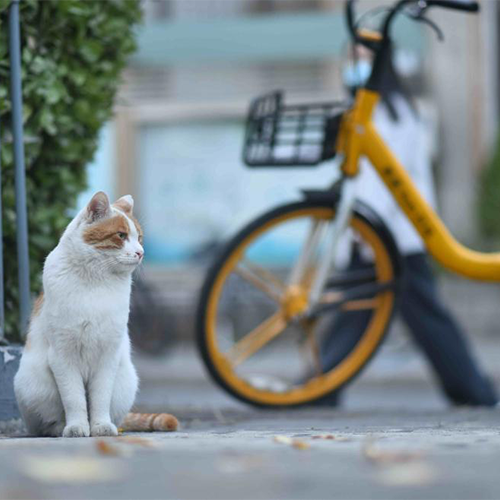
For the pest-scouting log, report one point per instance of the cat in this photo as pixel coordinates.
(76, 376)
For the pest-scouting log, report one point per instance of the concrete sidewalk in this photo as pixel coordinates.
(304, 454)
(394, 437)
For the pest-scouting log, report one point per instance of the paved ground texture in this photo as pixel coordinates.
(394, 437)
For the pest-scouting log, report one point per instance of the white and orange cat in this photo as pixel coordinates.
(76, 376)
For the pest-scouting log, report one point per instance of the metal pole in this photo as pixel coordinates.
(2, 310)
(20, 182)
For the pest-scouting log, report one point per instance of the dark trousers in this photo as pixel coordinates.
(433, 329)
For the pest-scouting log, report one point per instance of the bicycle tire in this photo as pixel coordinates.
(369, 220)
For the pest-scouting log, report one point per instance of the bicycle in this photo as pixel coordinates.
(253, 299)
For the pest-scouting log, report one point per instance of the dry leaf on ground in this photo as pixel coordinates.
(300, 445)
(296, 443)
(106, 448)
(331, 437)
(377, 455)
(283, 440)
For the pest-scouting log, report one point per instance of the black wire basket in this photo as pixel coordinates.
(290, 136)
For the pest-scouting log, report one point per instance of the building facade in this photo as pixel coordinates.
(176, 140)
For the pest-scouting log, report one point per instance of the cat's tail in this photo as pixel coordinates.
(149, 422)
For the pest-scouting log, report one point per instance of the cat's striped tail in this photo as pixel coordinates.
(149, 422)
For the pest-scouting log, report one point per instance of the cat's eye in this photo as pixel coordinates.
(123, 236)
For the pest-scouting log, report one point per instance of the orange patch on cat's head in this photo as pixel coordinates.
(126, 205)
(108, 234)
(108, 229)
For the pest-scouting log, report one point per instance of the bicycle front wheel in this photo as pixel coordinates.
(255, 330)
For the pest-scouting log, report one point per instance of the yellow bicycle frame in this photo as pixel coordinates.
(358, 137)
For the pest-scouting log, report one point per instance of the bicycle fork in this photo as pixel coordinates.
(331, 232)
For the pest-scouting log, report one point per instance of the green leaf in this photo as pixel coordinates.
(91, 50)
(72, 54)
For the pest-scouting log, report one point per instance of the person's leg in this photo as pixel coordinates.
(345, 331)
(342, 333)
(439, 336)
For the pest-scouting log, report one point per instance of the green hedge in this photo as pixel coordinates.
(72, 55)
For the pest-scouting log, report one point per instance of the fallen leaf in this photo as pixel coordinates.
(283, 440)
(300, 445)
(296, 443)
(331, 437)
(379, 456)
(69, 469)
(105, 448)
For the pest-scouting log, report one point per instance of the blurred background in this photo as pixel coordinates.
(176, 137)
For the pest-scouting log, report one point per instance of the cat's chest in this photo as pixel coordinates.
(90, 311)
(89, 331)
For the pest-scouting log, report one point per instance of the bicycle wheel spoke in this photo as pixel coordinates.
(265, 275)
(359, 305)
(313, 345)
(309, 276)
(261, 279)
(331, 298)
(357, 298)
(256, 339)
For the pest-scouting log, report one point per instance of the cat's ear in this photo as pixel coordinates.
(125, 204)
(98, 207)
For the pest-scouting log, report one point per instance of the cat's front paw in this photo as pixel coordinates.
(105, 429)
(76, 430)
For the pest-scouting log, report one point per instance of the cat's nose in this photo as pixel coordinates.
(139, 254)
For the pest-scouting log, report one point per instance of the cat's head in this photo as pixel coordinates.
(109, 233)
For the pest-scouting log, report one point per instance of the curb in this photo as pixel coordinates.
(9, 364)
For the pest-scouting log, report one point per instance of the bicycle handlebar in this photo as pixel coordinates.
(349, 14)
(351, 24)
(461, 5)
